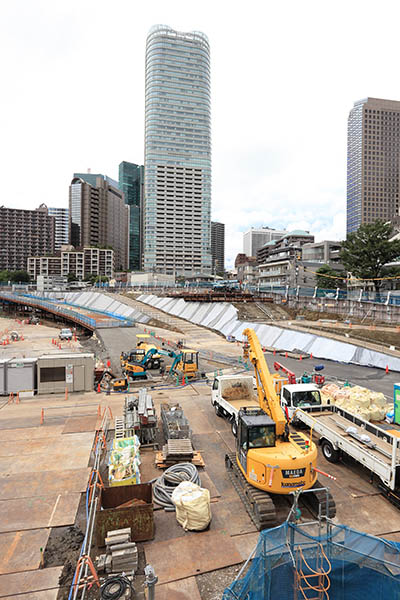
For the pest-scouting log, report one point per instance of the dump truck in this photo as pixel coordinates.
(230, 393)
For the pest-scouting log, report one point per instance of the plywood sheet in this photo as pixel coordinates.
(30, 583)
(20, 550)
(39, 511)
(184, 589)
(79, 424)
(44, 483)
(191, 555)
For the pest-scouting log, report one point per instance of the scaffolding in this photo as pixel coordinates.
(318, 560)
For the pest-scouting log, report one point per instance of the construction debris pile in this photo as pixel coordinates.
(121, 553)
(369, 405)
(123, 467)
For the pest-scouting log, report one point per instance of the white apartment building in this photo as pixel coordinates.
(254, 239)
(89, 261)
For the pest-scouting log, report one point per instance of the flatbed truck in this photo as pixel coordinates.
(342, 433)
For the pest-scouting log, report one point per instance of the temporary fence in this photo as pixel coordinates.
(304, 563)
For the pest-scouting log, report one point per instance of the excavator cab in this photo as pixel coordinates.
(255, 430)
(186, 363)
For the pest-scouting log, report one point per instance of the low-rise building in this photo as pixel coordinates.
(79, 263)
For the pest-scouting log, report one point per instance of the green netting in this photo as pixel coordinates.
(306, 563)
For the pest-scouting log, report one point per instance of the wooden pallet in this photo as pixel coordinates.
(178, 449)
(160, 463)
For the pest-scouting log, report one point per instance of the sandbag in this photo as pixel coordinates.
(377, 413)
(378, 399)
(193, 508)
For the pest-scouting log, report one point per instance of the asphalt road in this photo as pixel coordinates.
(375, 379)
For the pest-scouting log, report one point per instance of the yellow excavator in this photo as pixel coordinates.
(271, 459)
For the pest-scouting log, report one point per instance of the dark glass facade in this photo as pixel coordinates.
(131, 181)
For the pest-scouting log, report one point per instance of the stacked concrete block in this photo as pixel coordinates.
(121, 553)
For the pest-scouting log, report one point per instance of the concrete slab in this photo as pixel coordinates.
(31, 584)
(20, 550)
(43, 446)
(245, 544)
(22, 433)
(73, 454)
(44, 482)
(79, 424)
(184, 589)
(230, 516)
(371, 514)
(39, 511)
(191, 555)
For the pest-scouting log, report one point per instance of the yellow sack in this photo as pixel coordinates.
(193, 509)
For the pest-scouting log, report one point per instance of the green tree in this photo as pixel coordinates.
(71, 277)
(19, 277)
(4, 275)
(367, 250)
(327, 278)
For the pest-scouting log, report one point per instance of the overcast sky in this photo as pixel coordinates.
(284, 77)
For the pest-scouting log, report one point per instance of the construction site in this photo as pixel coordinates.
(181, 448)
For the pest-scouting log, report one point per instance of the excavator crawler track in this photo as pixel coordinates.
(258, 504)
(313, 500)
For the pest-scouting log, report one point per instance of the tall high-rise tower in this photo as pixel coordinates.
(373, 162)
(177, 192)
(218, 247)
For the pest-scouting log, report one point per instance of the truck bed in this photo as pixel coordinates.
(338, 423)
(243, 403)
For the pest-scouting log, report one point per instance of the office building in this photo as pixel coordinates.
(99, 216)
(218, 247)
(79, 263)
(24, 233)
(177, 173)
(131, 182)
(61, 216)
(373, 162)
(255, 238)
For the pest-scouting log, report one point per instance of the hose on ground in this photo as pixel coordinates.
(115, 587)
(169, 480)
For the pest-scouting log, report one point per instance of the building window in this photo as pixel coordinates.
(51, 374)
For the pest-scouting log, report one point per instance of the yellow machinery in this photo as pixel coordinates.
(144, 343)
(269, 457)
(186, 364)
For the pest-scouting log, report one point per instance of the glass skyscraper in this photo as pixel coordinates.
(177, 192)
(131, 183)
(373, 162)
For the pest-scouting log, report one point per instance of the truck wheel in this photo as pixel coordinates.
(156, 364)
(329, 452)
(234, 427)
(218, 410)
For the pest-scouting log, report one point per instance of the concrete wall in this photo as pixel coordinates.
(55, 373)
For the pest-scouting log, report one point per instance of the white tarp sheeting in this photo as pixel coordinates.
(223, 318)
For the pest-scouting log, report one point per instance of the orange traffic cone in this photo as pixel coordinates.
(311, 355)
(98, 388)
(387, 369)
(285, 354)
(301, 358)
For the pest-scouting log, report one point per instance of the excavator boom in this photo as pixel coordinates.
(267, 396)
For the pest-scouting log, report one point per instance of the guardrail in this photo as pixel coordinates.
(53, 307)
